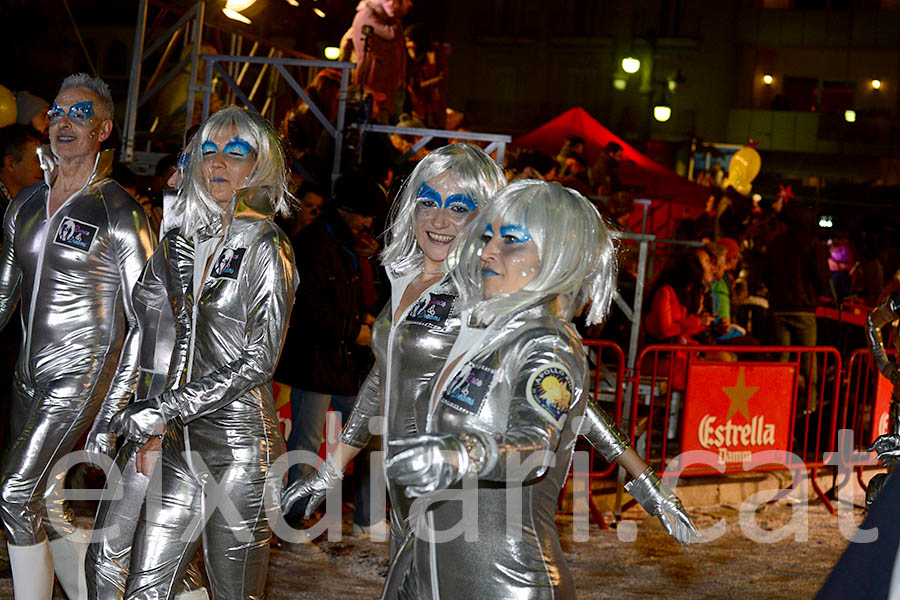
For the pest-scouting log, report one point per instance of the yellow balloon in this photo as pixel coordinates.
(743, 169)
(8, 108)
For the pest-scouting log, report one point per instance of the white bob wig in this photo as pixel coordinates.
(269, 171)
(576, 248)
(477, 175)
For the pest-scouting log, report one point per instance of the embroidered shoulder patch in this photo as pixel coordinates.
(431, 311)
(228, 264)
(551, 389)
(469, 388)
(76, 234)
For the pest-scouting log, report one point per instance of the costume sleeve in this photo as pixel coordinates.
(878, 318)
(10, 273)
(368, 405)
(269, 289)
(179, 263)
(546, 380)
(602, 432)
(134, 242)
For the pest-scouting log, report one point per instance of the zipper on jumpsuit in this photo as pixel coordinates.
(35, 288)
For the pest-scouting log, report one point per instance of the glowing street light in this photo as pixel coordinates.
(631, 64)
(850, 116)
(768, 79)
(620, 83)
(233, 9)
(876, 84)
(662, 112)
(332, 52)
(319, 12)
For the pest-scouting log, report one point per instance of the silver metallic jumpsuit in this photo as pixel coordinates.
(407, 356)
(517, 386)
(159, 304)
(74, 271)
(225, 434)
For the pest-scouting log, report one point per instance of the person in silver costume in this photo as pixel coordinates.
(221, 429)
(74, 245)
(415, 331)
(429, 213)
(887, 445)
(159, 302)
(505, 410)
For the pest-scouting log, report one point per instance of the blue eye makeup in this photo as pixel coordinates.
(488, 234)
(80, 113)
(426, 192)
(458, 203)
(514, 234)
(238, 147)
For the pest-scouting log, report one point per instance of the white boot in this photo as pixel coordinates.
(68, 562)
(32, 570)
(193, 595)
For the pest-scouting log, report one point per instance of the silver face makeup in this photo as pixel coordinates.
(509, 261)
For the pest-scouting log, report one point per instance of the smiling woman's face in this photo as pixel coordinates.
(442, 211)
(227, 161)
(509, 259)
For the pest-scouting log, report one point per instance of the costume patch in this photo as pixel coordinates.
(228, 263)
(469, 388)
(550, 387)
(76, 234)
(431, 311)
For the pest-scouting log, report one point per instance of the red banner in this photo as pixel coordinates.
(881, 412)
(735, 409)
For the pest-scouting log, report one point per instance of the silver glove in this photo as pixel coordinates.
(100, 442)
(427, 463)
(887, 447)
(656, 498)
(139, 420)
(313, 486)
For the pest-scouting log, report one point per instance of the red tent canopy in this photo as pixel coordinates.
(649, 178)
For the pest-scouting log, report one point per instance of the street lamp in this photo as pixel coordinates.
(332, 52)
(876, 84)
(662, 112)
(768, 79)
(850, 116)
(631, 65)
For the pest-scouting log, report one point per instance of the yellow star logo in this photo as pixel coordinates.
(739, 395)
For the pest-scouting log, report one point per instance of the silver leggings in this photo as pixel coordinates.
(109, 554)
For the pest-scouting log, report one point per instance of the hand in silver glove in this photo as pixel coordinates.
(100, 441)
(314, 487)
(427, 463)
(139, 420)
(656, 498)
(887, 447)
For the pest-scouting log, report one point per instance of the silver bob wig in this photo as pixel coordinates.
(575, 246)
(476, 173)
(269, 171)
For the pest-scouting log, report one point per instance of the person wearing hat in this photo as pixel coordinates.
(33, 111)
(327, 353)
